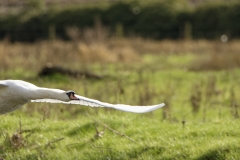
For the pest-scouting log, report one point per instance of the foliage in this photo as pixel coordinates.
(156, 19)
(213, 20)
(160, 19)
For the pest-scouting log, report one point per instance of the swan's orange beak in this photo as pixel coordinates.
(72, 97)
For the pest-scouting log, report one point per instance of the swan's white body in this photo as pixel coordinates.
(16, 93)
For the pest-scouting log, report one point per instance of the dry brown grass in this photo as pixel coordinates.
(209, 54)
(217, 61)
(29, 56)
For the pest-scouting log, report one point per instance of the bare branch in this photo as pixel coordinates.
(54, 141)
(112, 130)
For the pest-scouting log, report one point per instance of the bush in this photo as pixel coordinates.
(159, 20)
(231, 21)
(120, 13)
(208, 21)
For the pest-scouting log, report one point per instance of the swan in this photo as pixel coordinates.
(16, 93)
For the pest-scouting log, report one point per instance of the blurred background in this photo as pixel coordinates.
(184, 53)
(89, 30)
(32, 20)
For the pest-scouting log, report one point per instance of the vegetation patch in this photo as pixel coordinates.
(200, 119)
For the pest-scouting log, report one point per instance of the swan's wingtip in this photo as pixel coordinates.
(160, 105)
(155, 107)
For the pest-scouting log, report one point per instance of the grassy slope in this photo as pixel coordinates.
(211, 133)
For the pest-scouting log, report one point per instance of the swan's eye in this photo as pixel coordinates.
(71, 95)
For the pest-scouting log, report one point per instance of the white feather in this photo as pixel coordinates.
(16, 93)
(95, 103)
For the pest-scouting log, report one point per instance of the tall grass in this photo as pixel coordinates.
(152, 67)
(201, 107)
(209, 54)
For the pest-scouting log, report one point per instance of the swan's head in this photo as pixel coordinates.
(71, 95)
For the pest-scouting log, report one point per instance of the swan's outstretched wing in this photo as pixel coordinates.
(95, 103)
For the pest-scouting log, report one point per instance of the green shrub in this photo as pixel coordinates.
(232, 21)
(160, 20)
(156, 19)
(120, 13)
(208, 21)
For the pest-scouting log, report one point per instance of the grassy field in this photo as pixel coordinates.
(198, 81)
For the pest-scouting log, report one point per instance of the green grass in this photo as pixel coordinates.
(153, 138)
(56, 131)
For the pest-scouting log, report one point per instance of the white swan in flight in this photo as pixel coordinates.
(16, 93)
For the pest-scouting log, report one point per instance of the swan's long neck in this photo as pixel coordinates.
(48, 93)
